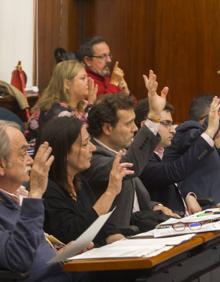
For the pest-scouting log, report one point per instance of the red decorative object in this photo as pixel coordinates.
(19, 80)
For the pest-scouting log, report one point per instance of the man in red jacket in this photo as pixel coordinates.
(96, 55)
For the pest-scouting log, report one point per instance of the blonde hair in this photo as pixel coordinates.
(55, 91)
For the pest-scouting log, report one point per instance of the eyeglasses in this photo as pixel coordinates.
(102, 57)
(166, 123)
(181, 226)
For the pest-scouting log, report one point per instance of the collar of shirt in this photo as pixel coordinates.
(18, 196)
(102, 144)
(159, 151)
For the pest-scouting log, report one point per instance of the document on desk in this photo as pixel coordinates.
(208, 220)
(144, 235)
(82, 241)
(131, 248)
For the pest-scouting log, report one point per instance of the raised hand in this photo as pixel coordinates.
(213, 118)
(118, 172)
(93, 89)
(40, 170)
(156, 102)
(117, 75)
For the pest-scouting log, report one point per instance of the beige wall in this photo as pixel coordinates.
(16, 37)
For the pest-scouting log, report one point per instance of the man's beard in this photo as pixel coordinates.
(106, 71)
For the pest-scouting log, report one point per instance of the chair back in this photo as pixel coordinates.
(8, 115)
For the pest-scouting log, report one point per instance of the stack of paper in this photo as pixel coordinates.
(134, 248)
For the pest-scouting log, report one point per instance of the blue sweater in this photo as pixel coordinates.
(22, 243)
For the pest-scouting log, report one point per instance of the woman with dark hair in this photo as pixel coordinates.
(69, 201)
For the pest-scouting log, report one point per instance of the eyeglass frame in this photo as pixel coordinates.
(102, 57)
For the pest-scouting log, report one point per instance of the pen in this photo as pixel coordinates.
(204, 213)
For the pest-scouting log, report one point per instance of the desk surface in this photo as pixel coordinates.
(139, 263)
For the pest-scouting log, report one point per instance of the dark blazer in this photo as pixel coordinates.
(157, 182)
(159, 177)
(204, 181)
(98, 175)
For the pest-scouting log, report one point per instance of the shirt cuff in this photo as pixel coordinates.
(153, 126)
(208, 139)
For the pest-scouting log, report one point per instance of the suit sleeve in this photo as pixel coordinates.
(171, 171)
(138, 153)
(141, 149)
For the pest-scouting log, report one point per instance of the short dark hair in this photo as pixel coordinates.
(60, 133)
(105, 111)
(61, 54)
(142, 110)
(199, 107)
(86, 48)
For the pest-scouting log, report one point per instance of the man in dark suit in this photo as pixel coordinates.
(111, 124)
(205, 179)
(160, 177)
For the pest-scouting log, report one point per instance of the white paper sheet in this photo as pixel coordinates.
(148, 234)
(82, 241)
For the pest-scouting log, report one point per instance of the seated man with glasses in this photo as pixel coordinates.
(205, 180)
(160, 177)
(24, 247)
(96, 55)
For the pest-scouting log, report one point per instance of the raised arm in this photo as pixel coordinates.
(156, 102)
(118, 172)
(39, 172)
(175, 170)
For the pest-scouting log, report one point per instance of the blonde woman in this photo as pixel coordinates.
(69, 92)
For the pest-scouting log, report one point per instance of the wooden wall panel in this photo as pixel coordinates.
(57, 22)
(179, 39)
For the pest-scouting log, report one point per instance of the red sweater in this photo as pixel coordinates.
(104, 85)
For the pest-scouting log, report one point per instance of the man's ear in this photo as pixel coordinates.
(87, 60)
(107, 129)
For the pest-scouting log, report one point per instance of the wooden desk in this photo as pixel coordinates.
(190, 259)
(131, 263)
